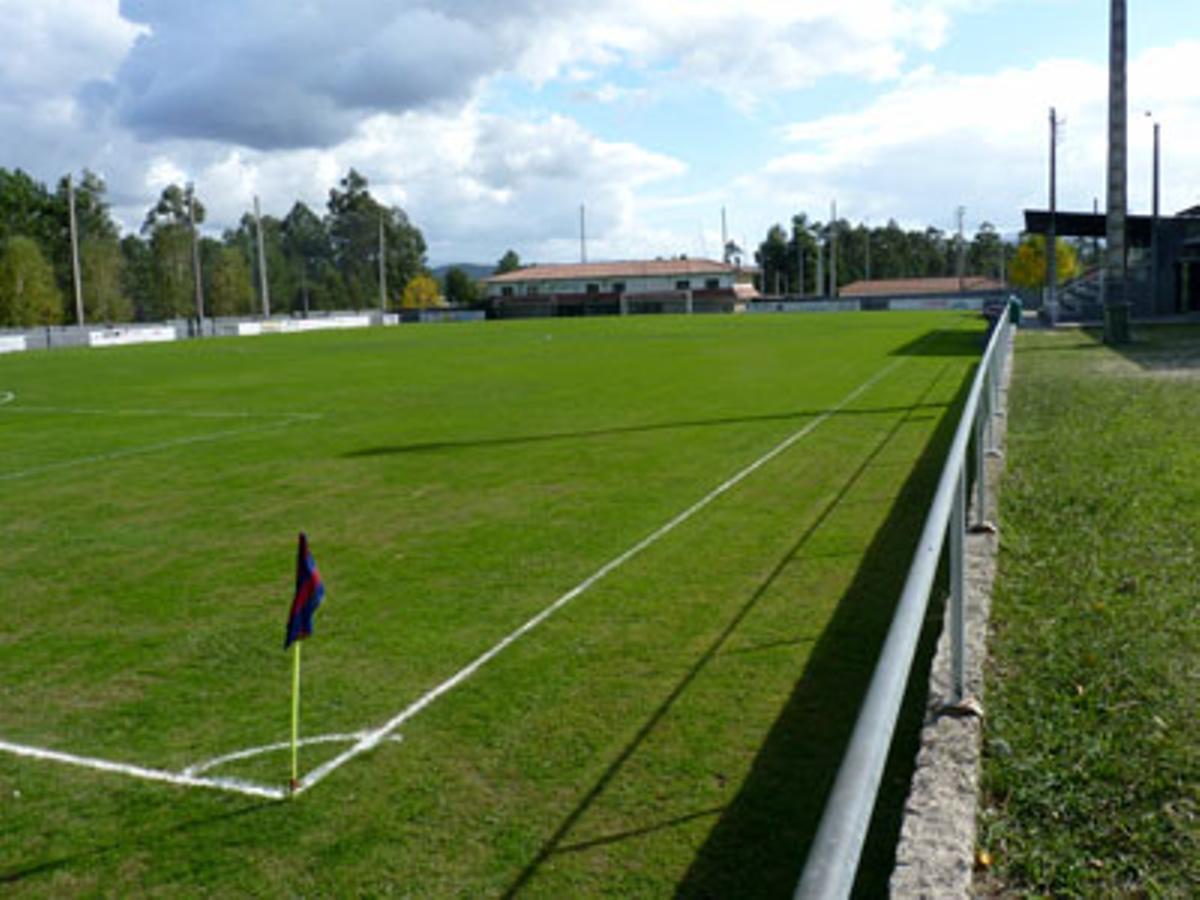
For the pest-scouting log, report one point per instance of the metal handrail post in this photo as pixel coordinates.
(980, 473)
(958, 583)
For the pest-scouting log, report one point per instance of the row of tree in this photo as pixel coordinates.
(313, 262)
(787, 258)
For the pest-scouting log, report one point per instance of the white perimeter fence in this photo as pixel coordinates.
(58, 336)
(833, 859)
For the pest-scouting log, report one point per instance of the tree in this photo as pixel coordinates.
(509, 262)
(101, 265)
(309, 253)
(1028, 268)
(354, 221)
(137, 276)
(461, 288)
(230, 282)
(169, 227)
(421, 293)
(28, 293)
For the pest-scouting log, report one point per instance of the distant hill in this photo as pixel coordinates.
(478, 271)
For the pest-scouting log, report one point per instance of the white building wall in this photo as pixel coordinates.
(656, 284)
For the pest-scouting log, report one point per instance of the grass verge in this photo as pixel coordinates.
(1092, 769)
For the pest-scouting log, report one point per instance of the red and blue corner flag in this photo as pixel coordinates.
(309, 593)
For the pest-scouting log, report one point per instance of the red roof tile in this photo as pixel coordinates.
(662, 268)
(895, 287)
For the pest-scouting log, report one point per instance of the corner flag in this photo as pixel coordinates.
(309, 593)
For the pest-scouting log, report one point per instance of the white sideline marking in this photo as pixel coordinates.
(371, 739)
(236, 785)
(139, 451)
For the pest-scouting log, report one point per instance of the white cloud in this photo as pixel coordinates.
(938, 140)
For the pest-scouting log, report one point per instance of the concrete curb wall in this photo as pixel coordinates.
(935, 857)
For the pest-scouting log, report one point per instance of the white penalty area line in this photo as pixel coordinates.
(372, 738)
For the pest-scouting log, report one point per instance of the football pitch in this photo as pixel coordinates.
(602, 598)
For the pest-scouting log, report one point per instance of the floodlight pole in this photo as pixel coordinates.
(382, 268)
(1052, 231)
(191, 198)
(1154, 224)
(833, 285)
(1116, 306)
(75, 251)
(262, 263)
(799, 260)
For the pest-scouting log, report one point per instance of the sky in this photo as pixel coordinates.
(491, 123)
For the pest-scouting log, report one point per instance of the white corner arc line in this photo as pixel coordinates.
(209, 764)
(7, 397)
(371, 739)
(235, 785)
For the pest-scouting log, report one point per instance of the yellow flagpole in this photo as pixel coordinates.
(295, 713)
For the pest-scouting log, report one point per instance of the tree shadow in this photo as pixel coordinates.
(758, 844)
(518, 440)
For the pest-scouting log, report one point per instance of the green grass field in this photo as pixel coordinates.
(672, 730)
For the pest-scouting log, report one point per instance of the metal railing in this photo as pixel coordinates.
(833, 859)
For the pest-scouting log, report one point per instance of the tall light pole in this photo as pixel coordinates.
(1116, 306)
(191, 200)
(264, 288)
(1154, 221)
(1052, 231)
(74, 251)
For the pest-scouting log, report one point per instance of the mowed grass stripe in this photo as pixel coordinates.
(449, 530)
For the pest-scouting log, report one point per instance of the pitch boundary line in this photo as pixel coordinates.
(234, 785)
(371, 739)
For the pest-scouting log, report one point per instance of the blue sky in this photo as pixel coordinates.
(489, 124)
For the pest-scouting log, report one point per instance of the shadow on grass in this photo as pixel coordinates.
(946, 343)
(758, 844)
(515, 440)
(17, 875)
(1167, 347)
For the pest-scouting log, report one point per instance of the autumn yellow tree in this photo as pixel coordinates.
(1028, 268)
(421, 292)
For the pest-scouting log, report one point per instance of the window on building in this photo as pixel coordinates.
(506, 291)
(713, 284)
(593, 288)
(683, 285)
(618, 287)
(532, 290)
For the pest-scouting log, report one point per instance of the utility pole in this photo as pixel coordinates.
(833, 285)
(264, 290)
(1154, 225)
(382, 267)
(191, 199)
(75, 252)
(1116, 306)
(868, 266)
(799, 258)
(582, 234)
(1052, 231)
(724, 239)
(959, 265)
(820, 267)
